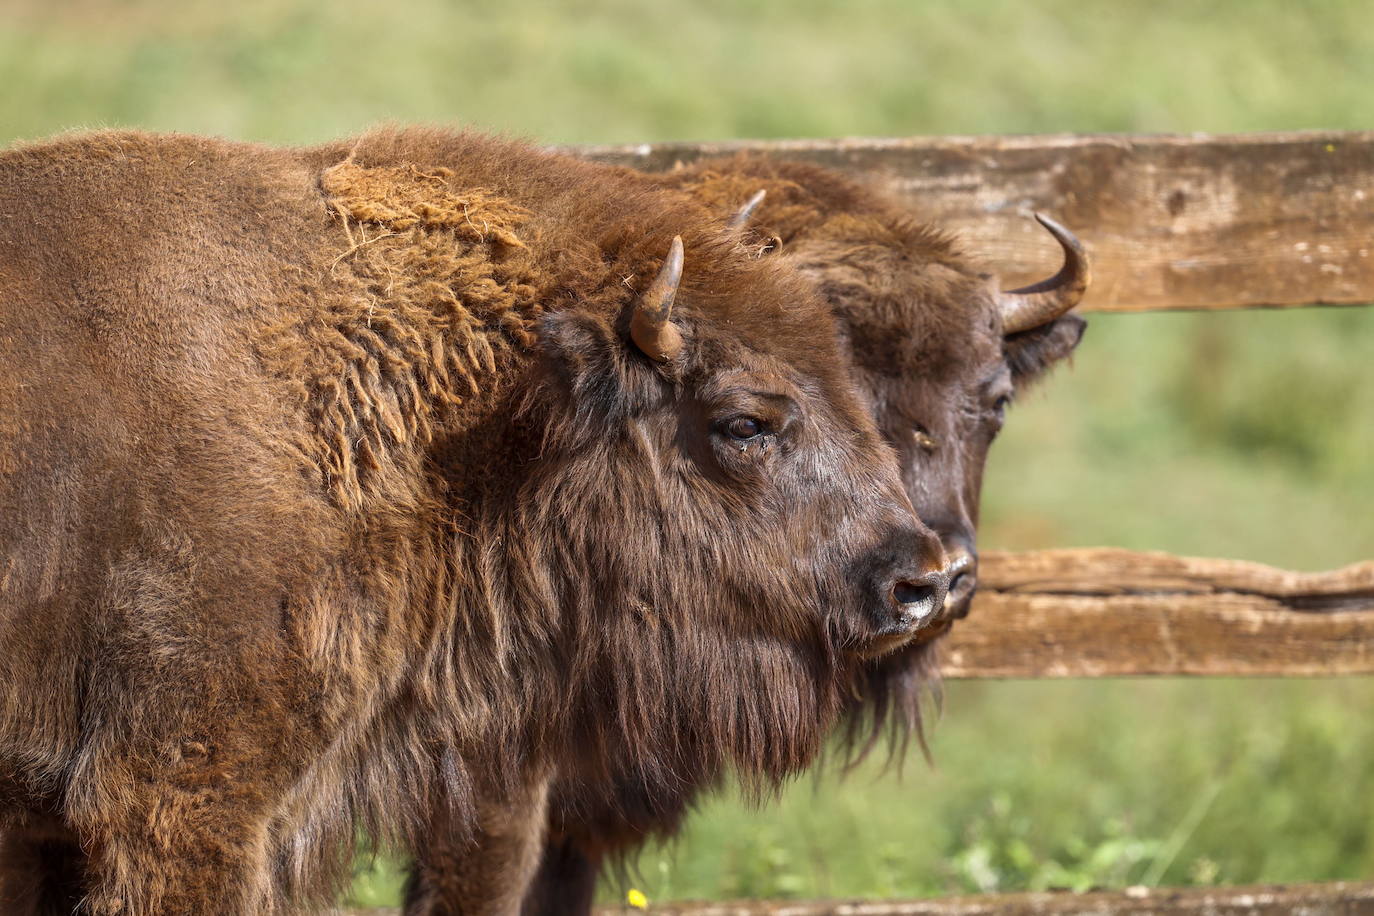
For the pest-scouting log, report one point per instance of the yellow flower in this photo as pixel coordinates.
(635, 898)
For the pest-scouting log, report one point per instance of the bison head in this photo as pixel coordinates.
(719, 524)
(943, 353)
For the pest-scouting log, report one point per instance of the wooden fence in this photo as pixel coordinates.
(1171, 222)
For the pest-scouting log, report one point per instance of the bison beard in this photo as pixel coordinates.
(336, 497)
(937, 357)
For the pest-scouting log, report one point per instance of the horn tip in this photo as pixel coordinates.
(742, 215)
(673, 263)
(1059, 231)
(1049, 299)
(650, 327)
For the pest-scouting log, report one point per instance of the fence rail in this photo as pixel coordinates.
(1171, 222)
(1307, 899)
(1107, 612)
(1333, 899)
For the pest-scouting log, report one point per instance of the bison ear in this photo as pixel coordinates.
(1031, 353)
(575, 337)
(588, 363)
(580, 347)
(771, 244)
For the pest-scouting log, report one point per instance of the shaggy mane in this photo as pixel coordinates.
(431, 287)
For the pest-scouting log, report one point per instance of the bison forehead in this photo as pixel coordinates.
(926, 328)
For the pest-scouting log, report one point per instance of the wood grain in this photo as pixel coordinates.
(1107, 612)
(1171, 222)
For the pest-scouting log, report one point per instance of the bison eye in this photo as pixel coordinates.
(744, 428)
(999, 406)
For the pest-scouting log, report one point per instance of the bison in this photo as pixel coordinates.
(348, 487)
(940, 353)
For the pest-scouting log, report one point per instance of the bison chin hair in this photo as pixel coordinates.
(890, 706)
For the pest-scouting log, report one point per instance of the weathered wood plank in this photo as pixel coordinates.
(1335, 899)
(1309, 899)
(1171, 222)
(1108, 612)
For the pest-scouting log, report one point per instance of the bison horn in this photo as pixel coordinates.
(1043, 302)
(741, 217)
(650, 328)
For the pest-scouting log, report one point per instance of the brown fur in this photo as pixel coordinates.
(334, 492)
(921, 319)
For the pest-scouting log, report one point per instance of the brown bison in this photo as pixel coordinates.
(343, 482)
(940, 353)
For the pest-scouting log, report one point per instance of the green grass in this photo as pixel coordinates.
(1046, 784)
(1240, 434)
(1229, 434)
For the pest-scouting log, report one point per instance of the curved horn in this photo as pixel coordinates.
(1040, 303)
(741, 217)
(650, 328)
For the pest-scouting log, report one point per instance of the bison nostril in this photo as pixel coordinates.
(963, 572)
(913, 593)
(911, 584)
(957, 582)
(917, 602)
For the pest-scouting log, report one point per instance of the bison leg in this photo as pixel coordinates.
(483, 868)
(189, 835)
(201, 723)
(184, 824)
(565, 884)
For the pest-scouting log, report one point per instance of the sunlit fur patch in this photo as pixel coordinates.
(429, 286)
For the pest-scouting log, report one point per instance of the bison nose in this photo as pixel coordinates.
(962, 571)
(906, 575)
(917, 601)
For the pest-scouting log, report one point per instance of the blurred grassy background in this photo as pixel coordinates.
(1243, 435)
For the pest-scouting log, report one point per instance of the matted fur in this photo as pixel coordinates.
(326, 506)
(921, 320)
